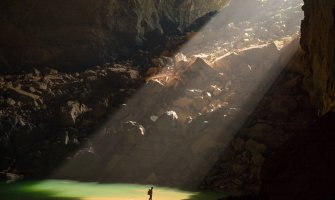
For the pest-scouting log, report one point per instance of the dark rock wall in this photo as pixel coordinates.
(318, 30)
(76, 33)
(303, 168)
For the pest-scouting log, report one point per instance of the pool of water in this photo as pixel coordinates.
(71, 190)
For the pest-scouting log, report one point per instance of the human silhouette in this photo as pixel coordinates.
(150, 193)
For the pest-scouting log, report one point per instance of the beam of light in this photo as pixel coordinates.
(173, 130)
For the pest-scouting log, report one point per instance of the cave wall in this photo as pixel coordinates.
(303, 168)
(75, 33)
(318, 42)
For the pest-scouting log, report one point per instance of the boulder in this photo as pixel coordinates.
(11, 102)
(257, 54)
(132, 127)
(22, 94)
(11, 177)
(199, 66)
(167, 123)
(153, 87)
(250, 56)
(71, 112)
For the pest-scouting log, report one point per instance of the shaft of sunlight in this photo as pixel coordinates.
(173, 130)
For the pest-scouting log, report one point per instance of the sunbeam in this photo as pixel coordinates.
(173, 130)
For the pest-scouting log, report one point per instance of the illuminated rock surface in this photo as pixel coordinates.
(318, 43)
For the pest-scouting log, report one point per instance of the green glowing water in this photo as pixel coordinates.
(70, 190)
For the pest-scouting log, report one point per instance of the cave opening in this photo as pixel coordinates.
(191, 104)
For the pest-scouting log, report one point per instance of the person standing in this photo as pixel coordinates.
(150, 193)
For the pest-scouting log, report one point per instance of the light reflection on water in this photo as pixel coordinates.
(71, 190)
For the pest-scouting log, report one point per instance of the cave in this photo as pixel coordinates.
(167, 99)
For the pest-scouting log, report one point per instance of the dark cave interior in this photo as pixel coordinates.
(227, 96)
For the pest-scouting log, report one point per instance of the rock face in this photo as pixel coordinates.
(303, 168)
(318, 42)
(85, 33)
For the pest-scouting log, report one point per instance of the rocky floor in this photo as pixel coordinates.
(41, 110)
(208, 115)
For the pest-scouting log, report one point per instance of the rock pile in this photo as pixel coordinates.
(174, 129)
(40, 109)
